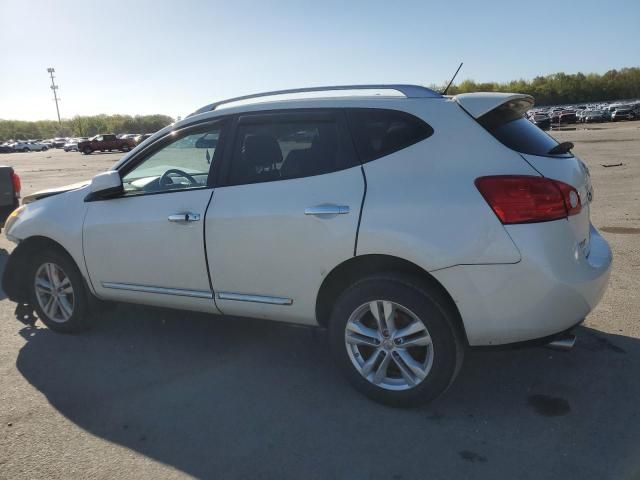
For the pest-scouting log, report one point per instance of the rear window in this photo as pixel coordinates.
(518, 133)
(379, 132)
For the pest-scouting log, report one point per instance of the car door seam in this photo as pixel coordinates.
(204, 241)
(364, 195)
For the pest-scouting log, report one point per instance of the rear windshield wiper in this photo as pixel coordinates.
(564, 147)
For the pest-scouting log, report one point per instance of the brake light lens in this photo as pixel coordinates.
(527, 199)
(15, 179)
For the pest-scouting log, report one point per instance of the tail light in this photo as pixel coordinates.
(526, 199)
(15, 179)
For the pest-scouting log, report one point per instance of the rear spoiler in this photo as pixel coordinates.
(480, 104)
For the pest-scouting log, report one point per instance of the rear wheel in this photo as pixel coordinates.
(396, 340)
(125, 148)
(58, 292)
(25, 149)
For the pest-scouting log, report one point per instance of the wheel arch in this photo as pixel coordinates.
(14, 277)
(358, 267)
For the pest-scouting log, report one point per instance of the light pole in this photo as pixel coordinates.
(54, 87)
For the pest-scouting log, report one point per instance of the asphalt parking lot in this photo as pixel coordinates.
(165, 394)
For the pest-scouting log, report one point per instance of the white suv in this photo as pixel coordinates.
(409, 223)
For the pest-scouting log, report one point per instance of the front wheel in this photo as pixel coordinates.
(25, 149)
(396, 340)
(87, 150)
(58, 292)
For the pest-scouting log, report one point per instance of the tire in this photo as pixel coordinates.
(87, 150)
(125, 148)
(68, 312)
(25, 150)
(438, 360)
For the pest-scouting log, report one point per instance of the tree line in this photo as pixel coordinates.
(82, 126)
(563, 88)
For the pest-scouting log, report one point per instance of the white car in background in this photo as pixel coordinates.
(410, 224)
(72, 144)
(29, 147)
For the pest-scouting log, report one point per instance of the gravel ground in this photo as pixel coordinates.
(162, 394)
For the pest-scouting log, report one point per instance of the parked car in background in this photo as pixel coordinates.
(623, 113)
(21, 146)
(567, 117)
(542, 121)
(105, 142)
(443, 252)
(141, 138)
(595, 116)
(9, 192)
(6, 147)
(72, 144)
(58, 142)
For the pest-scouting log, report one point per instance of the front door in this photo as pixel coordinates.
(147, 245)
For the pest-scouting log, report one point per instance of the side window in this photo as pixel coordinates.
(98, 139)
(184, 163)
(269, 147)
(109, 137)
(379, 132)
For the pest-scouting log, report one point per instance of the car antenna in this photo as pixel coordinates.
(444, 92)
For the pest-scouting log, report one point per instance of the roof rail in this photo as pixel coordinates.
(409, 91)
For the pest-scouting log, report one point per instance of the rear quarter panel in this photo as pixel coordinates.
(421, 202)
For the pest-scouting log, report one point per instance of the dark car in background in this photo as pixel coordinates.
(594, 116)
(624, 113)
(105, 142)
(567, 117)
(541, 121)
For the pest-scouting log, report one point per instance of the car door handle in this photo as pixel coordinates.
(327, 210)
(184, 217)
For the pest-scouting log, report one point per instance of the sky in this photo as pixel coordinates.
(172, 57)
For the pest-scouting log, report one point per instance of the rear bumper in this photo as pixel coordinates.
(550, 290)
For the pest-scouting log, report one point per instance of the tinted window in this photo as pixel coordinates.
(109, 137)
(283, 146)
(523, 136)
(380, 132)
(184, 163)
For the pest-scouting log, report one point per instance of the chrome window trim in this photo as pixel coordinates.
(241, 297)
(160, 290)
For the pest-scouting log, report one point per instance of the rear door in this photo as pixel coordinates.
(285, 213)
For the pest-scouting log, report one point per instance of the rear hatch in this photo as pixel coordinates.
(502, 115)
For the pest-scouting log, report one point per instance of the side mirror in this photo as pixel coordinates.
(105, 185)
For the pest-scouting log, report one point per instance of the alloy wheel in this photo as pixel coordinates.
(389, 345)
(54, 292)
